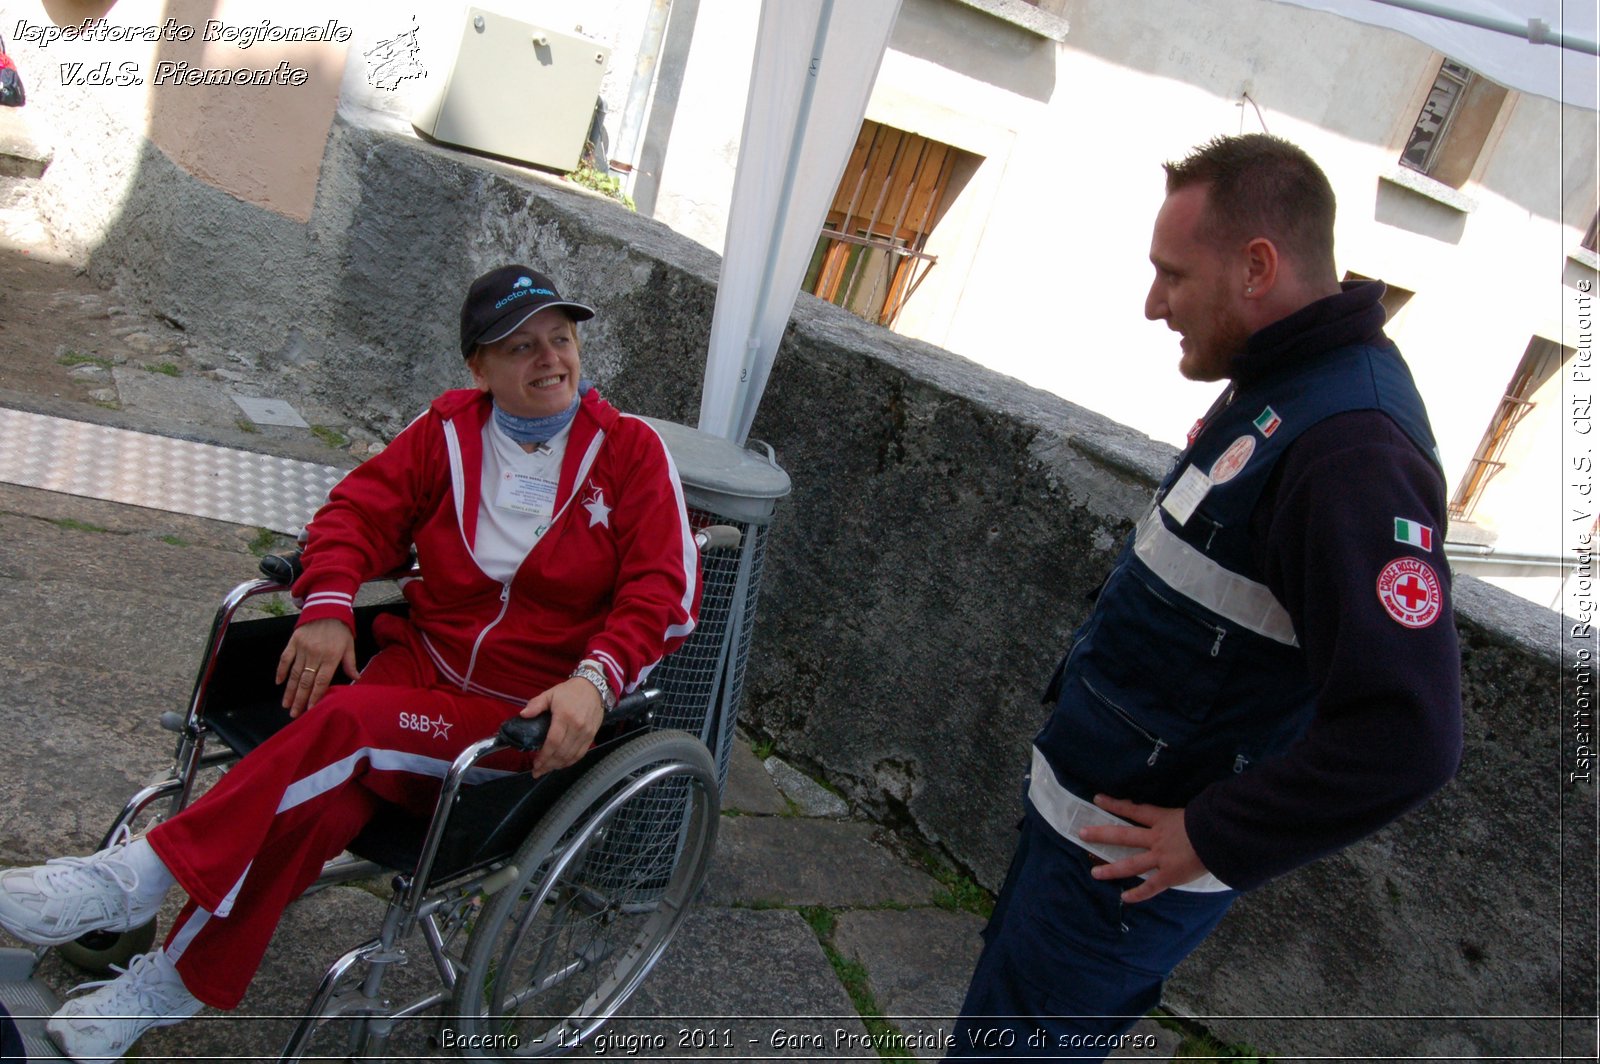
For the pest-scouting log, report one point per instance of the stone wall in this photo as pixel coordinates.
(945, 530)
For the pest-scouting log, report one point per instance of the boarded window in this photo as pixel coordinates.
(869, 258)
(1541, 359)
(1454, 125)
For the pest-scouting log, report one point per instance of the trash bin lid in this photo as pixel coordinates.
(721, 477)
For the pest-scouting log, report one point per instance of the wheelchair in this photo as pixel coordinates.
(541, 904)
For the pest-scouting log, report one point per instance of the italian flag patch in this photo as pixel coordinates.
(1413, 534)
(1267, 421)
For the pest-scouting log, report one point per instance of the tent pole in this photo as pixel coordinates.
(764, 295)
(1535, 31)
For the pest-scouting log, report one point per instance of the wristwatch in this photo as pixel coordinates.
(591, 671)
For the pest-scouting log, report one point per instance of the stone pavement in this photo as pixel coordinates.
(103, 608)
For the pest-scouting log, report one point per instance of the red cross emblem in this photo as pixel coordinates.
(1410, 590)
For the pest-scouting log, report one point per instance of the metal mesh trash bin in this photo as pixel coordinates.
(723, 484)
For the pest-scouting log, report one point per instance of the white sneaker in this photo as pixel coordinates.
(105, 1024)
(66, 897)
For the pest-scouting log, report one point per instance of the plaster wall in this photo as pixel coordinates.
(1485, 282)
(696, 181)
(945, 529)
(260, 143)
(1042, 257)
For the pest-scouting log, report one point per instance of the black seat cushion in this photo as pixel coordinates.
(243, 708)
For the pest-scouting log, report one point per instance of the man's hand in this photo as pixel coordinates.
(1167, 856)
(575, 714)
(315, 654)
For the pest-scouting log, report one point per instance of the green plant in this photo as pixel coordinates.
(74, 525)
(822, 921)
(763, 749)
(169, 369)
(174, 541)
(960, 893)
(605, 184)
(331, 437)
(1202, 1046)
(884, 1035)
(73, 358)
(263, 542)
(760, 904)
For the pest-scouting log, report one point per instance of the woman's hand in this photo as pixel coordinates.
(315, 654)
(575, 714)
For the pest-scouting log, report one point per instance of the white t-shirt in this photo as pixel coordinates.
(517, 499)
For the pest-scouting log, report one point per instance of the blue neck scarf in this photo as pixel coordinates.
(535, 429)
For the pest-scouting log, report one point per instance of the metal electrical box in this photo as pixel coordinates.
(517, 90)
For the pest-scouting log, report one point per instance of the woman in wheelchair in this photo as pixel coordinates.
(555, 568)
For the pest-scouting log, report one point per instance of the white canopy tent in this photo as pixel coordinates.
(1544, 47)
(815, 64)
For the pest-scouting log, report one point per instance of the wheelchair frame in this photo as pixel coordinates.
(634, 774)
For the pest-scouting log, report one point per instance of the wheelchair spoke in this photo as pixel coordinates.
(611, 872)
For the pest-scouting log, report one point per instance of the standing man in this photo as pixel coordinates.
(1271, 671)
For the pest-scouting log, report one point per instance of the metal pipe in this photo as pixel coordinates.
(1460, 552)
(1534, 31)
(453, 779)
(644, 75)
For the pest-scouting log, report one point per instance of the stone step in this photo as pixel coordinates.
(794, 861)
(21, 153)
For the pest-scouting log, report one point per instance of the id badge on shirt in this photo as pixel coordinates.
(524, 494)
(1186, 495)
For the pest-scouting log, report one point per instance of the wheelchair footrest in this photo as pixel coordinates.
(29, 1001)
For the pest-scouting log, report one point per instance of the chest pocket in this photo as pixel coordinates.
(1155, 655)
(1137, 688)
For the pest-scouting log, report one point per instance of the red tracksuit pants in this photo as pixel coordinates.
(255, 841)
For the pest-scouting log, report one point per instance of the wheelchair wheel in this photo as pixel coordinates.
(604, 881)
(97, 951)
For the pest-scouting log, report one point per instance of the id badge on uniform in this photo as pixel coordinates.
(1186, 495)
(523, 494)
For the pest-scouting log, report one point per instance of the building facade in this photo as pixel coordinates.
(999, 199)
(1030, 144)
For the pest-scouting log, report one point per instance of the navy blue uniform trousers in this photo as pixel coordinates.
(1066, 966)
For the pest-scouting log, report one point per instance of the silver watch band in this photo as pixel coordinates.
(592, 672)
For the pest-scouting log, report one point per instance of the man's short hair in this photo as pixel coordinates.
(1262, 186)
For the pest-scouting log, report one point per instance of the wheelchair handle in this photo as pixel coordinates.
(528, 733)
(282, 569)
(715, 537)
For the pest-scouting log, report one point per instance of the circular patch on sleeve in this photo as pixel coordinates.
(1410, 590)
(1232, 460)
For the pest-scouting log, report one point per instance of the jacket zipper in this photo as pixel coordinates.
(472, 660)
(1221, 632)
(1158, 744)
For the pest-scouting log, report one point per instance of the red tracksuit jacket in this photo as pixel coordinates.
(614, 579)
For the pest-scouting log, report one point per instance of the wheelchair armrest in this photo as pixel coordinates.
(528, 733)
(285, 569)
